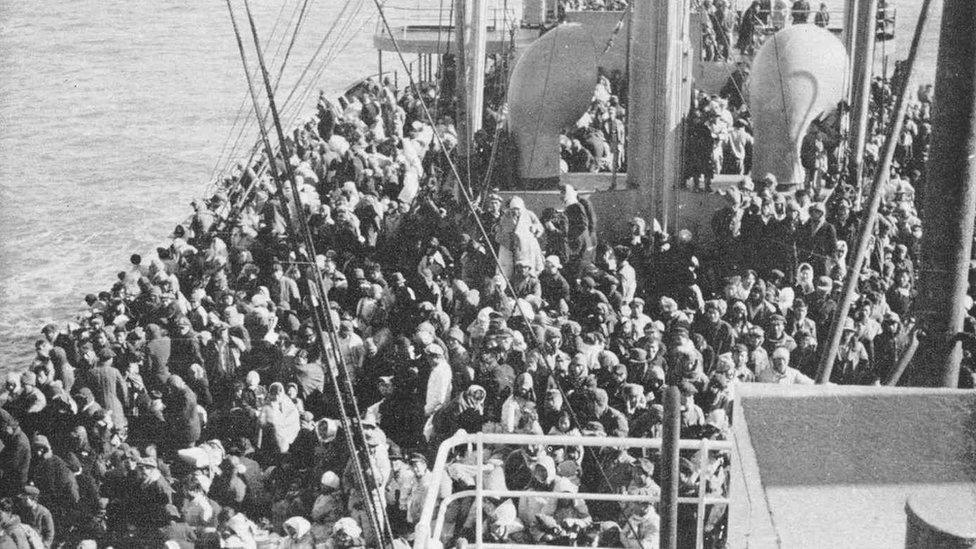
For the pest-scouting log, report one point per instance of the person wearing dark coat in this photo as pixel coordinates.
(184, 349)
(148, 500)
(158, 350)
(717, 333)
(816, 240)
(581, 224)
(36, 515)
(108, 386)
(55, 481)
(613, 420)
(555, 288)
(88, 494)
(173, 528)
(15, 456)
(182, 418)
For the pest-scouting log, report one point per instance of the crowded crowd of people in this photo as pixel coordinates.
(189, 406)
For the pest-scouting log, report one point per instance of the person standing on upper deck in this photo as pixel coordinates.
(822, 17)
(581, 226)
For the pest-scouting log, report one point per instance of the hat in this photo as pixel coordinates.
(416, 456)
(780, 352)
(554, 261)
(777, 318)
(505, 514)
(817, 206)
(329, 480)
(31, 490)
(849, 324)
(148, 462)
(73, 462)
(105, 355)
(600, 397)
(327, 429)
(184, 321)
(891, 317)
(28, 378)
(434, 350)
(456, 334)
(172, 511)
(40, 441)
(241, 446)
(348, 526)
(374, 437)
(633, 390)
(637, 356)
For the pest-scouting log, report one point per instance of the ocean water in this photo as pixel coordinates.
(113, 116)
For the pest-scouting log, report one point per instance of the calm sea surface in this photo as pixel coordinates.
(113, 115)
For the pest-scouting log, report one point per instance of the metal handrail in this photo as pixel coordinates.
(407, 17)
(426, 536)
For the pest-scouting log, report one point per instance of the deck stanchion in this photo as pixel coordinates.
(670, 465)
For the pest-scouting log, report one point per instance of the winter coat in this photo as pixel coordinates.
(109, 388)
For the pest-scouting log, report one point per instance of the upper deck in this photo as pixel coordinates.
(421, 29)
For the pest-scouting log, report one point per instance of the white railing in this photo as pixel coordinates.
(430, 537)
(499, 17)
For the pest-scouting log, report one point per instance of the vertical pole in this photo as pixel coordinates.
(850, 26)
(474, 52)
(656, 99)
(379, 65)
(863, 63)
(950, 197)
(702, 493)
(826, 365)
(461, 24)
(479, 488)
(670, 468)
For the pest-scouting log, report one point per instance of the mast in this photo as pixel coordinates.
(471, 20)
(863, 63)
(949, 199)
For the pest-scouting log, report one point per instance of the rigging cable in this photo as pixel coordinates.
(298, 24)
(240, 116)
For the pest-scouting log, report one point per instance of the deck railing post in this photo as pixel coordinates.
(479, 487)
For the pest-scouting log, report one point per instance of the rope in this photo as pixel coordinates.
(246, 121)
(257, 146)
(240, 109)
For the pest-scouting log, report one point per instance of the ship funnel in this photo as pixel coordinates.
(797, 75)
(550, 88)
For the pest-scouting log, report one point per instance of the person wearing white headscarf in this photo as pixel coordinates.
(280, 413)
(299, 532)
(518, 235)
